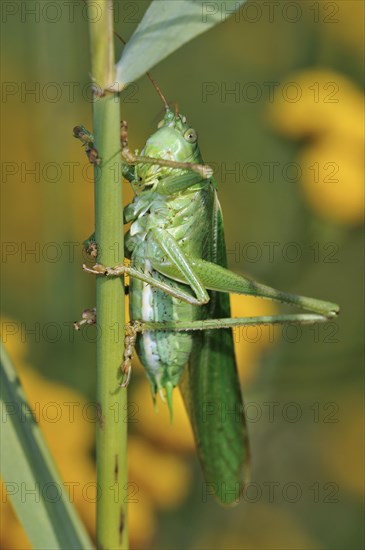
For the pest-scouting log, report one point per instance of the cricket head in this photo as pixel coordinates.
(174, 140)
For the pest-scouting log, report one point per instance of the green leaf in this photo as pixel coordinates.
(34, 487)
(165, 27)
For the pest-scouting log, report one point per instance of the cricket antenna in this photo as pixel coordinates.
(154, 83)
(158, 90)
(120, 38)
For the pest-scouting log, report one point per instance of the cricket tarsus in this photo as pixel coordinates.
(131, 331)
(87, 140)
(88, 318)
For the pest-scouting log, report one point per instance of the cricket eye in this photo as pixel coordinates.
(190, 135)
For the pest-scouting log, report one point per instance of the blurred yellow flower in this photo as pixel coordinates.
(329, 112)
(334, 184)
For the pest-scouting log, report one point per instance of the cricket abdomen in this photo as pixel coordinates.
(164, 354)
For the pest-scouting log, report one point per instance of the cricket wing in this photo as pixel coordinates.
(212, 395)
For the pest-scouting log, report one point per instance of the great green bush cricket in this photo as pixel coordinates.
(179, 294)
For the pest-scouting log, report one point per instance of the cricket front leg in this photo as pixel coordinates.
(203, 170)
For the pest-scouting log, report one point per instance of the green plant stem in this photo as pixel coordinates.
(111, 437)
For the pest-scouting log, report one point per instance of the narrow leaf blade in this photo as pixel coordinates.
(164, 28)
(34, 486)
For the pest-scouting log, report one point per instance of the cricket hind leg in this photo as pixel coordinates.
(215, 277)
(232, 322)
(133, 328)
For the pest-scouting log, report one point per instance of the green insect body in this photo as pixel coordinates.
(192, 218)
(179, 294)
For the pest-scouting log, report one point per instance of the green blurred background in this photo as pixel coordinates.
(293, 130)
